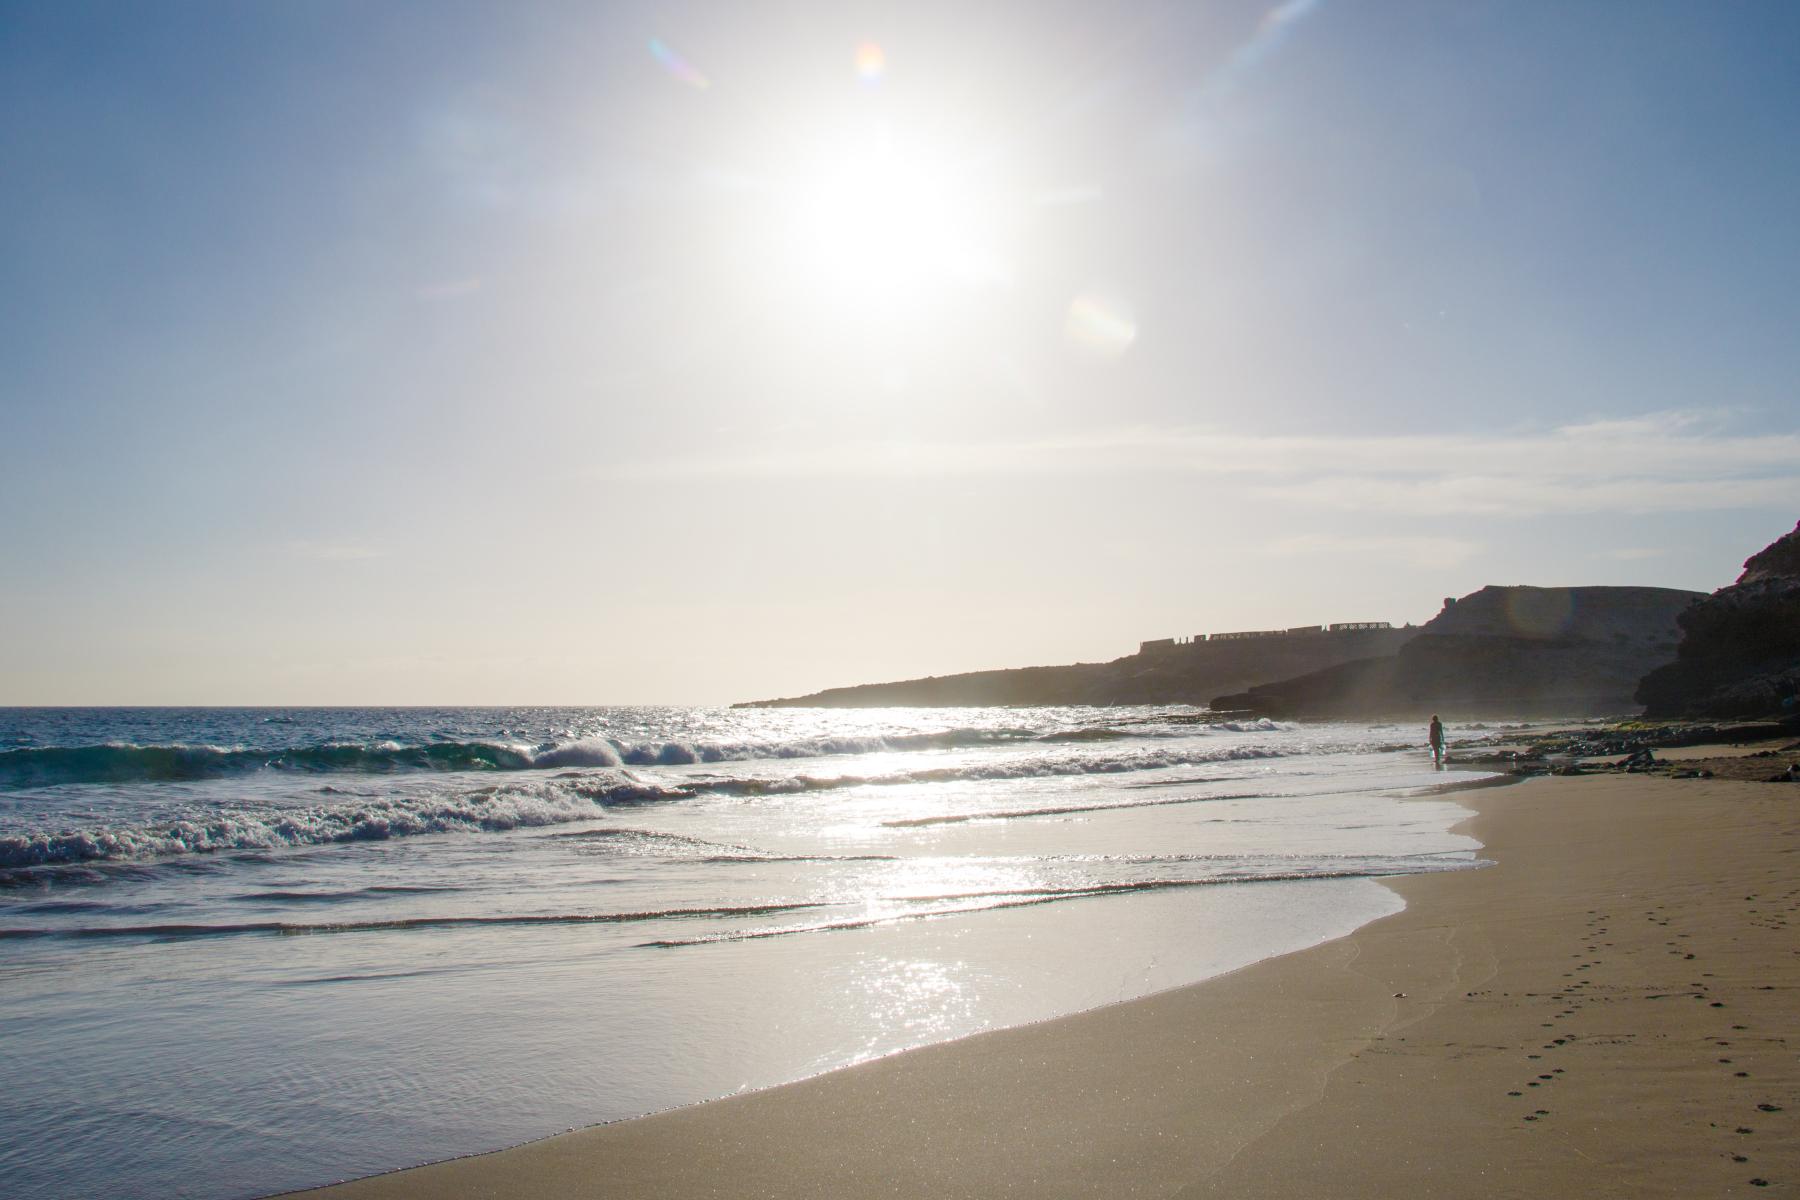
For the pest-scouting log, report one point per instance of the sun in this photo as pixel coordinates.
(878, 223)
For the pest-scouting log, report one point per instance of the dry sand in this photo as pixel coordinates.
(1605, 1012)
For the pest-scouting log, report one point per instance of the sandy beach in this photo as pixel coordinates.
(693, 599)
(1605, 1011)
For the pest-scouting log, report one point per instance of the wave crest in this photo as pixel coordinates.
(46, 766)
(487, 809)
(574, 795)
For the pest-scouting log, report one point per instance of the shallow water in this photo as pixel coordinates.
(251, 950)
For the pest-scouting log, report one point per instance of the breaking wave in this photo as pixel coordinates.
(1023, 767)
(484, 809)
(46, 765)
(43, 766)
(568, 797)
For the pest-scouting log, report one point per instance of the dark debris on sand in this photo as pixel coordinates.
(1630, 747)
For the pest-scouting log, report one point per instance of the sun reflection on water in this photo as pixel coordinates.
(928, 998)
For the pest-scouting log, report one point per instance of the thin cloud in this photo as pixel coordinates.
(1659, 462)
(1534, 495)
(1673, 421)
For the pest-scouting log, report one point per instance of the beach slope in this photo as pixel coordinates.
(1604, 1012)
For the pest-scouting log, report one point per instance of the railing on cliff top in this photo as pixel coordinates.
(1157, 644)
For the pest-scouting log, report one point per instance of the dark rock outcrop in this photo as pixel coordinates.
(1740, 653)
(1514, 651)
(1188, 673)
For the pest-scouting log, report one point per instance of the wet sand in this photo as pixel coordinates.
(1610, 1010)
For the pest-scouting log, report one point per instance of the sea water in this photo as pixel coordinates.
(250, 950)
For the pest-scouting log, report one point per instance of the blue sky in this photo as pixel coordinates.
(684, 352)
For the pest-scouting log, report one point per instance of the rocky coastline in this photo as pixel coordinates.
(1499, 651)
(1752, 751)
(1740, 650)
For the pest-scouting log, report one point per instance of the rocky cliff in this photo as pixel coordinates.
(1740, 649)
(1501, 651)
(1190, 673)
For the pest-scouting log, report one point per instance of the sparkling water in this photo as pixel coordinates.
(247, 950)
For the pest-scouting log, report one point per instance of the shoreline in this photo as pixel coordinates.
(1603, 1011)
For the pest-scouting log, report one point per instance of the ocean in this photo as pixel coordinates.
(251, 950)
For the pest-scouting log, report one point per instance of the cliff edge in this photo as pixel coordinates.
(1188, 672)
(1500, 651)
(1740, 650)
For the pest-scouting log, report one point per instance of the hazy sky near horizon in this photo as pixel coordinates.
(692, 352)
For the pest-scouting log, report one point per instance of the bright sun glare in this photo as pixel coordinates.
(878, 224)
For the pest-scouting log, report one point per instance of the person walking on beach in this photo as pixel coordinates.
(1437, 742)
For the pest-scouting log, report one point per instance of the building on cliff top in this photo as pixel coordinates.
(1165, 645)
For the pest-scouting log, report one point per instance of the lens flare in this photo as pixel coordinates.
(1539, 612)
(679, 68)
(1100, 325)
(871, 63)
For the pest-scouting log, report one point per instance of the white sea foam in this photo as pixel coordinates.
(588, 752)
(514, 805)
